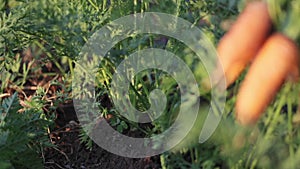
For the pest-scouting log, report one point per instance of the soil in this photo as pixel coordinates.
(69, 153)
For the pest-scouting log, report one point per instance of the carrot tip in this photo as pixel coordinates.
(245, 120)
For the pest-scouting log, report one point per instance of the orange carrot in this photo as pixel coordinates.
(277, 58)
(241, 43)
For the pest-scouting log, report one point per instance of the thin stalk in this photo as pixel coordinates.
(290, 130)
(275, 118)
(163, 161)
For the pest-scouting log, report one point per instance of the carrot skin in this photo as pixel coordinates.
(275, 61)
(241, 43)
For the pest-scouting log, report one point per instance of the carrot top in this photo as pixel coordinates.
(285, 15)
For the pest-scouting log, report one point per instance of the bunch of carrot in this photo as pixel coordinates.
(273, 57)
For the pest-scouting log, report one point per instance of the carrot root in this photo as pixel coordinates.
(240, 45)
(276, 60)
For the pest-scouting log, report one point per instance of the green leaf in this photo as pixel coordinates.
(124, 125)
(120, 128)
(3, 137)
(5, 165)
(11, 104)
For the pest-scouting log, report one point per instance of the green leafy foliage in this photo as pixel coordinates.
(285, 15)
(22, 134)
(60, 28)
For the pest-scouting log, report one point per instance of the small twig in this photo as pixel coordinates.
(4, 95)
(18, 89)
(70, 131)
(49, 134)
(49, 85)
(62, 153)
(43, 155)
(30, 87)
(50, 162)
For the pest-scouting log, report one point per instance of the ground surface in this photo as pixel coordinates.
(70, 153)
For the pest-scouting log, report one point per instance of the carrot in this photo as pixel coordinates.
(277, 58)
(241, 43)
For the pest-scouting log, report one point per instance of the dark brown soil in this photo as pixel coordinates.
(70, 153)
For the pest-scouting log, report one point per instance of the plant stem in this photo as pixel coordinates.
(290, 130)
(163, 161)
